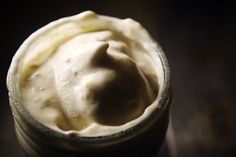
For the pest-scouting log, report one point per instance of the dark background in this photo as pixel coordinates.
(197, 36)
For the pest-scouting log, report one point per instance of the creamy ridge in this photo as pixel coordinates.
(90, 74)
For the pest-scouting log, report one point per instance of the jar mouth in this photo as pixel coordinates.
(164, 95)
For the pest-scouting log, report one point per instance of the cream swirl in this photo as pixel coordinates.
(89, 74)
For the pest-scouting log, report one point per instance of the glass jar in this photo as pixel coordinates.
(142, 139)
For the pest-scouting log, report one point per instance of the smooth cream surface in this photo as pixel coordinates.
(90, 74)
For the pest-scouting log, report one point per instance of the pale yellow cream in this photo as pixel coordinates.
(90, 74)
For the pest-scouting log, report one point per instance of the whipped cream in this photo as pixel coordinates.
(90, 74)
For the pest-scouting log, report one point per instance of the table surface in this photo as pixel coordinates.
(198, 38)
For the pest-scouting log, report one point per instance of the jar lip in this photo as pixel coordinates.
(124, 134)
